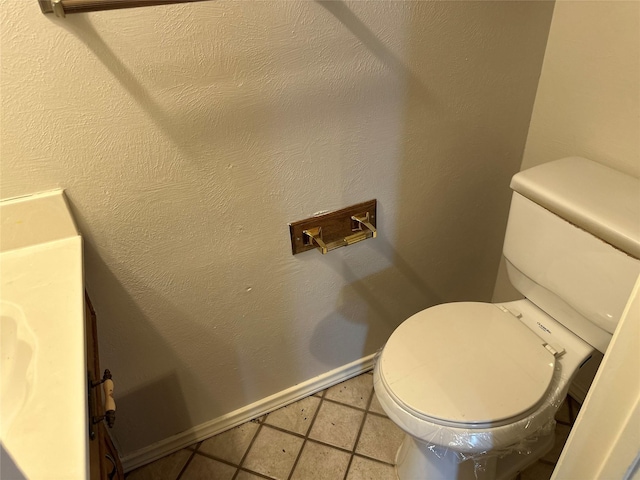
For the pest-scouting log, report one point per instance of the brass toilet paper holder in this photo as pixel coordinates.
(336, 229)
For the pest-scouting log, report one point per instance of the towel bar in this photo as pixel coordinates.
(61, 8)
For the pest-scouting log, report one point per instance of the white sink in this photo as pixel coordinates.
(17, 362)
(43, 408)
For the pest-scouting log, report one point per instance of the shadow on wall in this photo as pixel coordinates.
(157, 407)
(453, 183)
(170, 395)
(158, 403)
(10, 468)
(377, 47)
(462, 140)
(373, 306)
(81, 28)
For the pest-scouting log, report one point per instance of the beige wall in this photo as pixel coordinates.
(588, 100)
(187, 138)
(588, 104)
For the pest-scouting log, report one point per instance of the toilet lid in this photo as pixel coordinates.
(466, 363)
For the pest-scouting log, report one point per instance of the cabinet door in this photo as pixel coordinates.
(103, 456)
(111, 466)
(94, 402)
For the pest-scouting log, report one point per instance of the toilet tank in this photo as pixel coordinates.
(572, 244)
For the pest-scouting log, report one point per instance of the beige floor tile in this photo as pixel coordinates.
(202, 467)
(232, 444)
(167, 468)
(561, 434)
(537, 471)
(273, 453)
(355, 391)
(242, 475)
(365, 469)
(319, 462)
(376, 407)
(337, 425)
(380, 439)
(295, 417)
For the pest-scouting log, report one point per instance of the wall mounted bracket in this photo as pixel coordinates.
(336, 229)
(60, 8)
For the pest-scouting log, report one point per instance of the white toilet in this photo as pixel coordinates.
(476, 385)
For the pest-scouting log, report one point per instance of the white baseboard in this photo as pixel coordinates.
(225, 422)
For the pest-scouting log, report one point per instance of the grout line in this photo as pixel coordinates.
(299, 435)
(252, 472)
(324, 393)
(283, 430)
(227, 462)
(377, 460)
(244, 457)
(313, 440)
(376, 414)
(371, 395)
(184, 467)
(217, 459)
(364, 419)
(344, 450)
(356, 408)
(306, 436)
(295, 463)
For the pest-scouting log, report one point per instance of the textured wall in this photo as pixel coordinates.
(187, 138)
(588, 100)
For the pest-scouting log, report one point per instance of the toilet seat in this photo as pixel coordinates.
(466, 365)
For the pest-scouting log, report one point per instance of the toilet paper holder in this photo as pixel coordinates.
(328, 231)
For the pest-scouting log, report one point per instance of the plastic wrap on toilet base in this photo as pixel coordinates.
(484, 446)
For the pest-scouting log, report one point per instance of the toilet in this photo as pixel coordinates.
(476, 386)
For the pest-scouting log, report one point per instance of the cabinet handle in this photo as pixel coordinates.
(109, 402)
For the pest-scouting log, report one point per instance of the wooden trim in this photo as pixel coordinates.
(101, 447)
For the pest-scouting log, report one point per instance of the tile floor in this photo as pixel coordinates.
(341, 433)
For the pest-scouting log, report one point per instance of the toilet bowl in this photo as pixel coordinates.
(485, 398)
(476, 386)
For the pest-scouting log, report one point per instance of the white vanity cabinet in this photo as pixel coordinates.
(49, 349)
